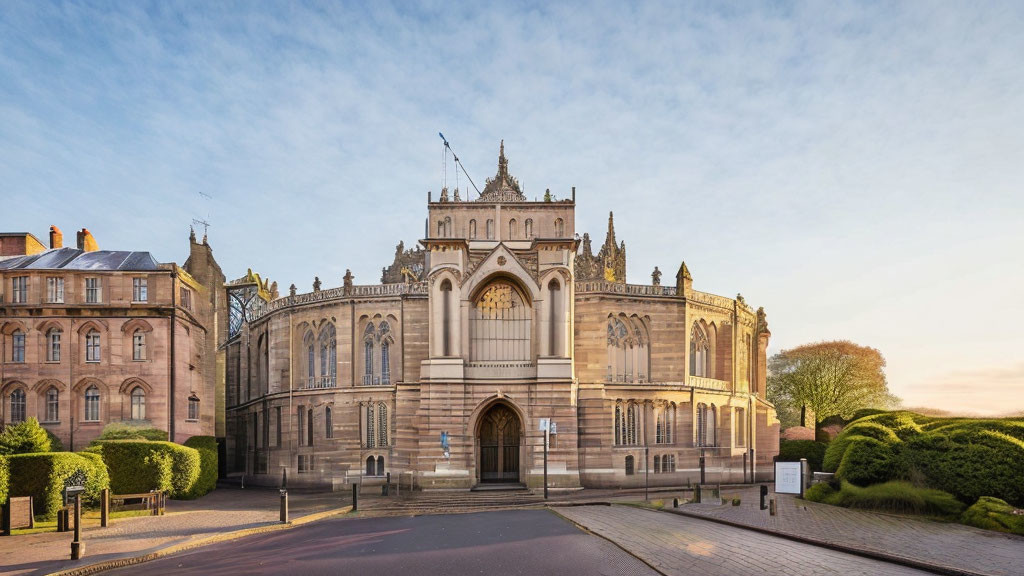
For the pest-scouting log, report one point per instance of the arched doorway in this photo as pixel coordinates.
(500, 433)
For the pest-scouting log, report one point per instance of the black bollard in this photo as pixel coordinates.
(702, 480)
(696, 494)
(764, 497)
(284, 506)
(675, 502)
(104, 507)
(355, 497)
(77, 546)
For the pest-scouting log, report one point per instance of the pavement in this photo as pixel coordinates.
(526, 542)
(942, 547)
(677, 545)
(186, 522)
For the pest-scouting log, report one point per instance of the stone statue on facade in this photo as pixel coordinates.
(656, 277)
(316, 284)
(291, 290)
(347, 281)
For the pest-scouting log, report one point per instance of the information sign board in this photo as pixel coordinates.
(788, 478)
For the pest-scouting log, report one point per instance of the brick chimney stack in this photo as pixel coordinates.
(56, 238)
(86, 242)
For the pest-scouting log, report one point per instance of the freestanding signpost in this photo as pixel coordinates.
(546, 424)
(789, 478)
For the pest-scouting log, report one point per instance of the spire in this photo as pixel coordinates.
(502, 162)
(192, 234)
(610, 238)
(503, 187)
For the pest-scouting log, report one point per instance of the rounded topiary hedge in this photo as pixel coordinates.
(140, 466)
(5, 477)
(207, 447)
(43, 476)
(968, 458)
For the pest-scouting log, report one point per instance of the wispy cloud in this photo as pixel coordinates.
(855, 169)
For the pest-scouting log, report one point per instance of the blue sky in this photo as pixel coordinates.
(855, 168)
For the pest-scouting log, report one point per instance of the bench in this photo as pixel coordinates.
(155, 501)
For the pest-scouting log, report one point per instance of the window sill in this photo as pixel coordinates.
(52, 362)
(91, 422)
(138, 359)
(191, 420)
(92, 361)
(140, 301)
(50, 422)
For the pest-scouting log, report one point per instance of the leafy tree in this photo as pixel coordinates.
(24, 438)
(831, 378)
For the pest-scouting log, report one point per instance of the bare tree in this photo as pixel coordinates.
(830, 378)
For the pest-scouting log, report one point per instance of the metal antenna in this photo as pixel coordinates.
(459, 163)
(202, 223)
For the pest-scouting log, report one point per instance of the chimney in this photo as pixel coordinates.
(56, 238)
(86, 242)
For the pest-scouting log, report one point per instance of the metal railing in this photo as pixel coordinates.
(315, 382)
(706, 383)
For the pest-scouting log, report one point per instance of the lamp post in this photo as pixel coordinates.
(647, 471)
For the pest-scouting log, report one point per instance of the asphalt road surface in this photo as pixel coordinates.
(528, 542)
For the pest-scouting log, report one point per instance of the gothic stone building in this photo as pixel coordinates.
(441, 374)
(89, 337)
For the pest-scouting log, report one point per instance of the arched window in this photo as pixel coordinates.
(382, 424)
(620, 424)
(657, 463)
(309, 429)
(528, 228)
(490, 229)
(92, 404)
(380, 465)
(371, 438)
(92, 346)
(18, 405)
(665, 424)
(310, 359)
(632, 421)
(618, 341)
(440, 228)
(706, 433)
(555, 317)
(446, 317)
(18, 346)
(513, 229)
(499, 325)
(447, 226)
(53, 345)
(138, 403)
(472, 229)
(559, 228)
(700, 352)
(52, 405)
(371, 466)
(139, 345)
(384, 334)
(328, 423)
(629, 465)
(328, 355)
(369, 334)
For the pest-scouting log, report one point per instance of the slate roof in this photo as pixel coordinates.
(75, 259)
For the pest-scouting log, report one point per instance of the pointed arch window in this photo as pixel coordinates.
(307, 340)
(380, 465)
(555, 320)
(369, 334)
(92, 404)
(446, 317)
(490, 229)
(528, 228)
(328, 356)
(472, 229)
(700, 352)
(52, 405)
(371, 466)
(559, 228)
(371, 438)
(665, 424)
(138, 402)
(382, 424)
(626, 423)
(18, 405)
(629, 465)
(92, 346)
(513, 229)
(657, 463)
(384, 335)
(706, 425)
(18, 346)
(328, 423)
(440, 228)
(139, 345)
(447, 226)
(53, 337)
(619, 427)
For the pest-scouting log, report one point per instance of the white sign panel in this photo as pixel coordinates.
(543, 424)
(787, 477)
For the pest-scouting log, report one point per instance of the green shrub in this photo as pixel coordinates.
(207, 447)
(55, 444)
(865, 412)
(993, 514)
(834, 453)
(134, 468)
(872, 430)
(25, 437)
(794, 450)
(5, 477)
(896, 496)
(125, 431)
(42, 476)
(969, 464)
(868, 461)
(819, 492)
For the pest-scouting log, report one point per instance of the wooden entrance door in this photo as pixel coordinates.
(500, 431)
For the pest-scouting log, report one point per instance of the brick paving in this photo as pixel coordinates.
(677, 545)
(223, 510)
(950, 545)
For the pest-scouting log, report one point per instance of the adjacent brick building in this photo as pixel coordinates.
(90, 337)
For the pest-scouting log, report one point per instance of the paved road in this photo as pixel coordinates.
(677, 545)
(525, 542)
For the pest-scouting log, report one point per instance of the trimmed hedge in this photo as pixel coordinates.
(993, 514)
(140, 466)
(43, 475)
(900, 497)
(966, 457)
(794, 450)
(207, 447)
(5, 477)
(124, 431)
(26, 437)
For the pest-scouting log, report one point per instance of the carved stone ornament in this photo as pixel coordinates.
(316, 284)
(291, 290)
(656, 277)
(501, 260)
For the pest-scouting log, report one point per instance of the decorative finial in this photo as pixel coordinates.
(192, 234)
(291, 290)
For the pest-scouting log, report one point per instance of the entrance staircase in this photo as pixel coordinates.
(420, 503)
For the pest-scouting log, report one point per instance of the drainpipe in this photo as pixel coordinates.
(71, 383)
(170, 399)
